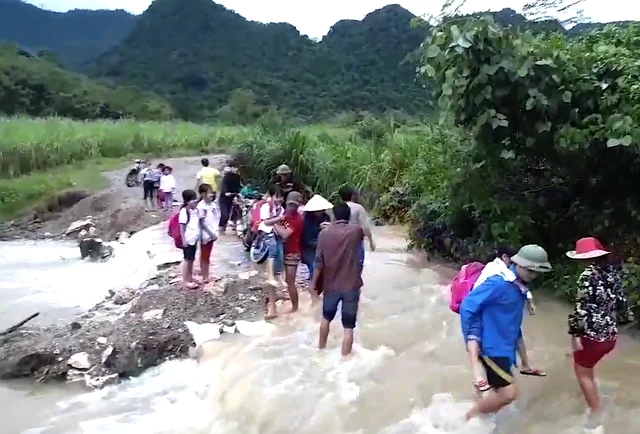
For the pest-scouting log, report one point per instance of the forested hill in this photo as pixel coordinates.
(196, 53)
(357, 66)
(75, 36)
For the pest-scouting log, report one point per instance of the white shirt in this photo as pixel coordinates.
(192, 231)
(359, 215)
(268, 211)
(208, 211)
(497, 267)
(167, 183)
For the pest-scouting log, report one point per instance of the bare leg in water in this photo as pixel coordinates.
(493, 402)
(290, 277)
(587, 383)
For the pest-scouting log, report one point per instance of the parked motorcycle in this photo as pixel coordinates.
(244, 227)
(133, 176)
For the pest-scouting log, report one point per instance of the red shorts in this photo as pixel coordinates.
(592, 352)
(205, 251)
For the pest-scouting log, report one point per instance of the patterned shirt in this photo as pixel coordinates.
(601, 304)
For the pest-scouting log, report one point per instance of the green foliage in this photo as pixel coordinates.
(75, 36)
(357, 66)
(555, 148)
(38, 87)
(28, 145)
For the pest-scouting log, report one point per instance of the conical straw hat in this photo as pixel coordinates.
(317, 203)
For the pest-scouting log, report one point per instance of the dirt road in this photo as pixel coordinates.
(116, 209)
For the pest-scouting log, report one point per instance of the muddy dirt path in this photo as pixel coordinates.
(115, 209)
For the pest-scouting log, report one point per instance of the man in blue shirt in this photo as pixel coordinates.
(499, 306)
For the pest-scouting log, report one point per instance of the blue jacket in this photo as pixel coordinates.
(499, 306)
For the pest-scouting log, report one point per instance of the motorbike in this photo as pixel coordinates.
(133, 176)
(245, 204)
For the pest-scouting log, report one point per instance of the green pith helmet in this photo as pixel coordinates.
(534, 258)
(283, 169)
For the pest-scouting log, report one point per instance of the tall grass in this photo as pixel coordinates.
(376, 160)
(28, 145)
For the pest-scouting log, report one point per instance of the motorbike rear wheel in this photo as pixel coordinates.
(132, 178)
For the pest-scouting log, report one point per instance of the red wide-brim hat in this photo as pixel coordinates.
(588, 248)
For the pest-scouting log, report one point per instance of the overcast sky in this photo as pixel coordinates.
(315, 18)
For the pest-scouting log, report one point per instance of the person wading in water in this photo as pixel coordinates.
(337, 259)
(314, 218)
(359, 216)
(500, 306)
(291, 234)
(601, 304)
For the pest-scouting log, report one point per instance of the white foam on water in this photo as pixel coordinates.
(444, 415)
(52, 273)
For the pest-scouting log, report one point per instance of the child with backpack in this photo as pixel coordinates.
(470, 277)
(184, 228)
(208, 217)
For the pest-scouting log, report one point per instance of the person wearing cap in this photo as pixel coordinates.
(284, 178)
(601, 303)
(499, 304)
(291, 233)
(315, 214)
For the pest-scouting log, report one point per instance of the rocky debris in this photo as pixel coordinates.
(122, 296)
(132, 331)
(80, 225)
(79, 361)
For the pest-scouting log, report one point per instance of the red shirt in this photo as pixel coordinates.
(293, 244)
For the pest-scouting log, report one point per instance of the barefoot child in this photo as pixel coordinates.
(167, 187)
(208, 217)
(190, 233)
(292, 236)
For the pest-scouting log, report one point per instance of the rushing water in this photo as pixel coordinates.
(408, 375)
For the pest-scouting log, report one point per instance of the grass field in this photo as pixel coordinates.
(39, 157)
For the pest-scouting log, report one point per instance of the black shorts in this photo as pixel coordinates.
(498, 371)
(189, 253)
(149, 188)
(350, 299)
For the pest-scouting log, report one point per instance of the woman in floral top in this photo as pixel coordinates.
(601, 304)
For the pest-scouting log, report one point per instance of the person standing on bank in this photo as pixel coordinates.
(359, 216)
(287, 183)
(209, 175)
(601, 304)
(499, 305)
(190, 234)
(167, 187)
(229, 191)
(337, 259)
(208, 216)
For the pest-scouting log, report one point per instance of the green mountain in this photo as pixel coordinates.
(37, 87)
(204, 58)
(355, 67)
(75, 36)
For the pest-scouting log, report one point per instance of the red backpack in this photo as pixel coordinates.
(463, 283)
(174, 228)
(255, 214)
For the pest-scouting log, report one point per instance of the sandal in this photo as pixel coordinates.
(533, 372)
(481, 386)
(191, 285)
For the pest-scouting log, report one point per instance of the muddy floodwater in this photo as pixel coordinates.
(409, 374)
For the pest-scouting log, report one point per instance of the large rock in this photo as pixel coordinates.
(79, 225)
(94, 248)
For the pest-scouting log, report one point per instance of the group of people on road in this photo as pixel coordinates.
(158, 187)
(491, 317)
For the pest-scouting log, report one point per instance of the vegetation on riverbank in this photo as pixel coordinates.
(536, 143)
